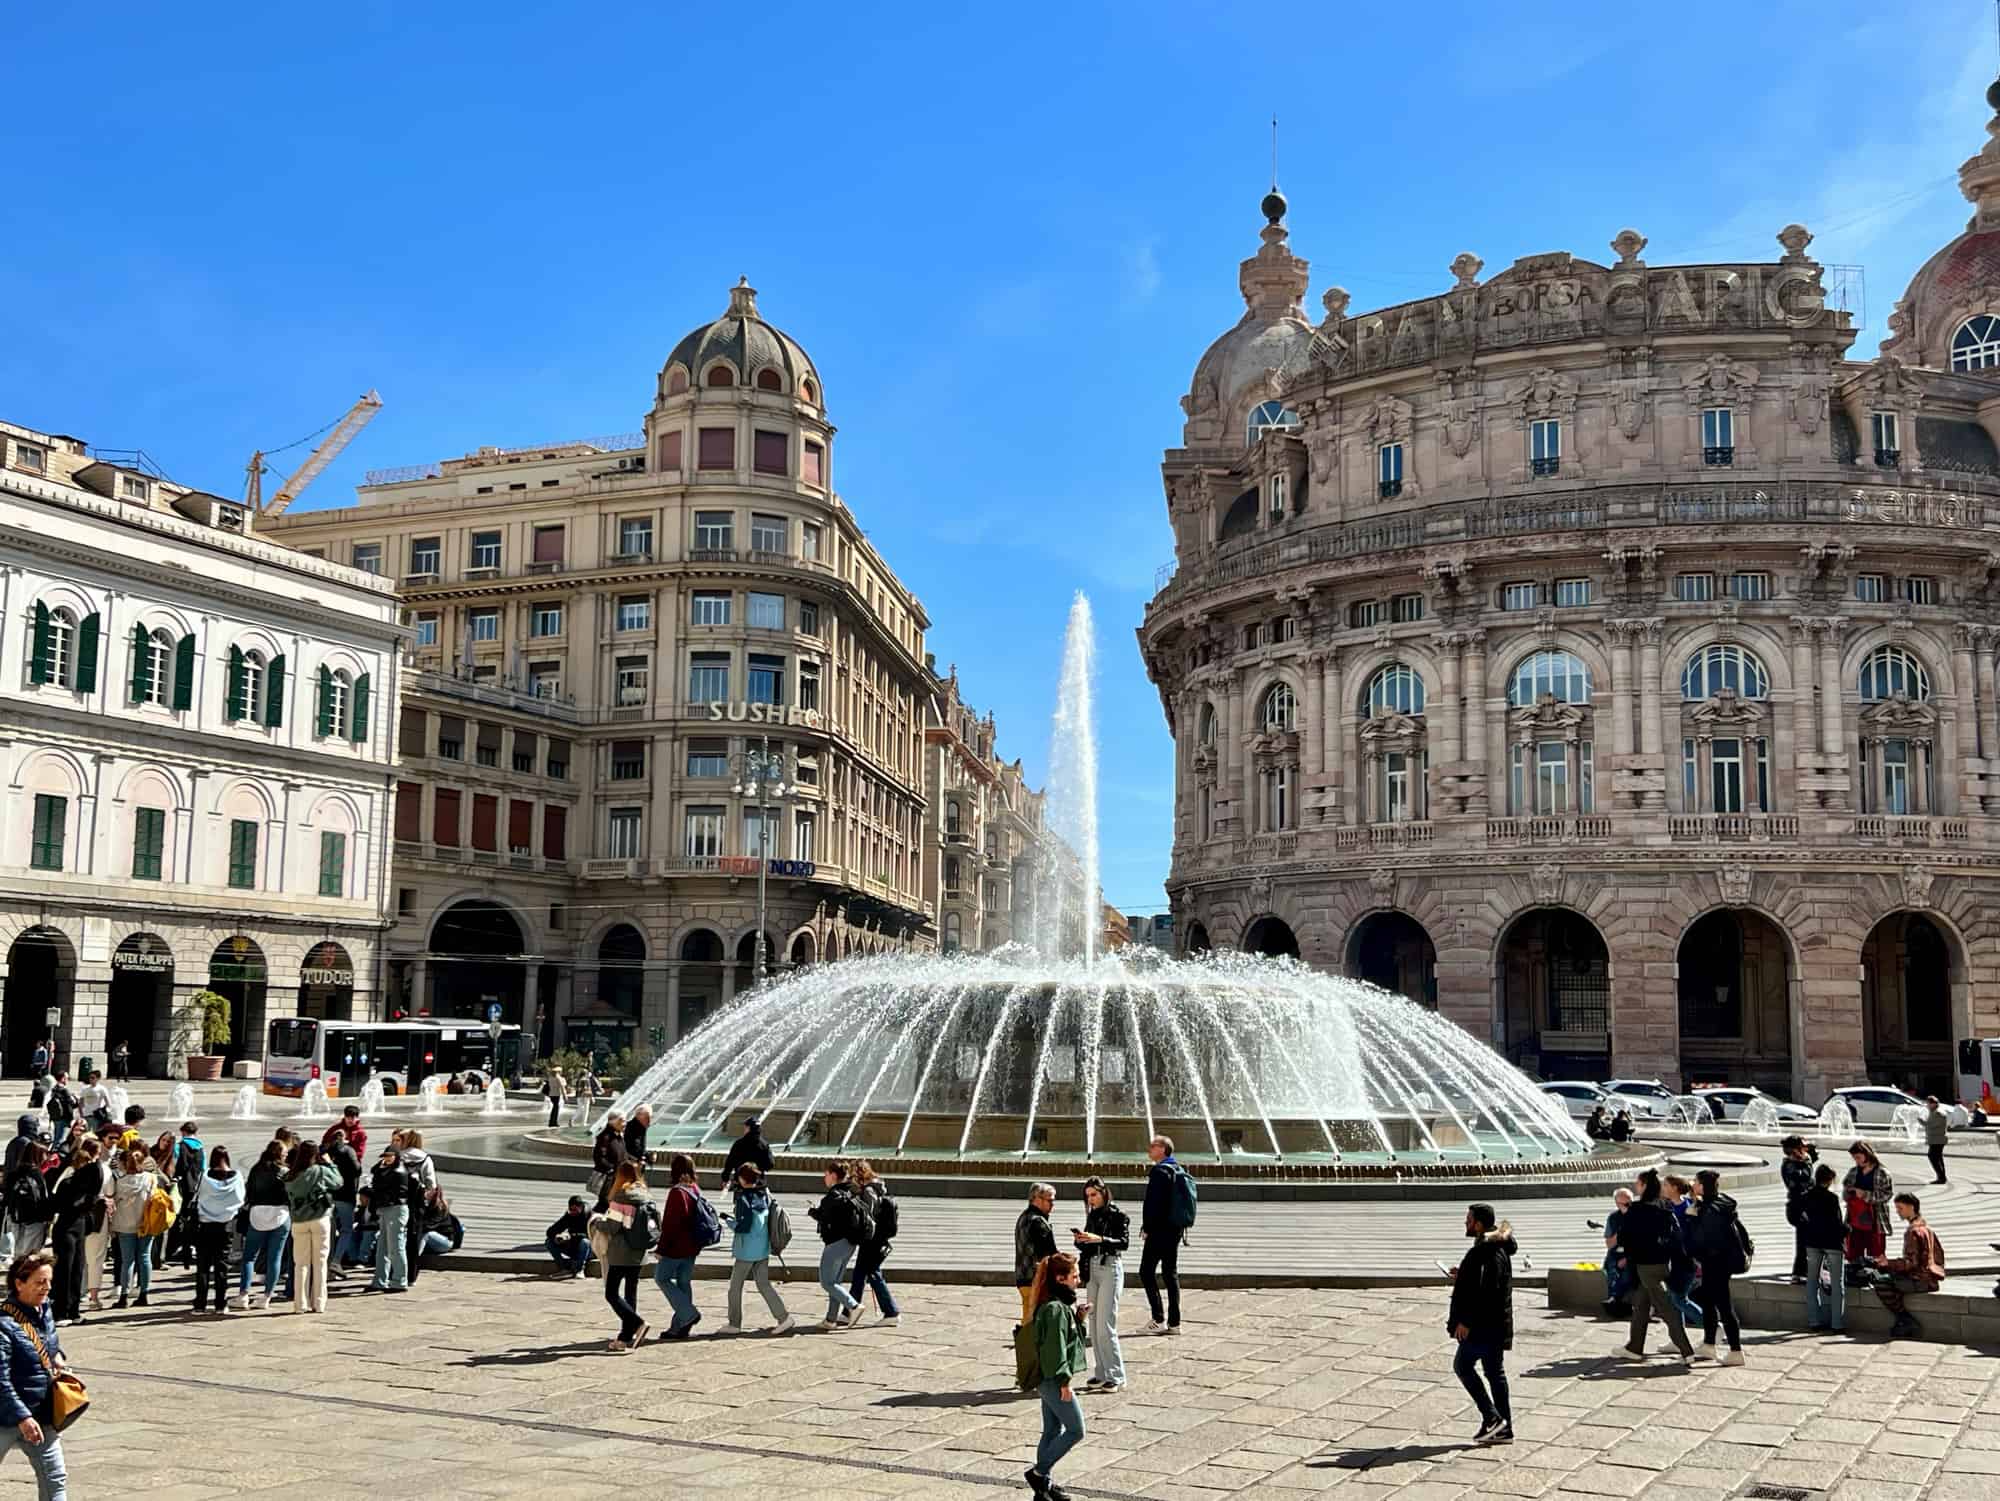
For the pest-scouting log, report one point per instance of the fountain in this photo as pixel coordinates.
(120, 1099)
(180, 1103)
(1907, 1121)
(244, 1107)
(430, 1094)
(1690, 1110)
(371, 1098)
(1836, 1118)
(1050, 1052)
(312, 1102)
(1760, 1116)
(496, 1099)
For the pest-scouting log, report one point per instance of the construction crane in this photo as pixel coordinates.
(338, 436)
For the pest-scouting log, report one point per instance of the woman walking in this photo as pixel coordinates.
(1721, 1246)
(873, 1190)
(631, 1213)
(673, 1273)
(1059, 1346)
(1103, 1240)
(837, 1216)
(29, 1361)
(218, 1201)
(269, 1217)
(310, 1182)
(1867, 1192)
(1653, 1242)
(77, 1198)
(751, 1246)
(131, 1196)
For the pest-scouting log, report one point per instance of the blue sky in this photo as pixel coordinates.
(1005, 240)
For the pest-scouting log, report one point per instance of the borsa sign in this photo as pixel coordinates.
(746, 865)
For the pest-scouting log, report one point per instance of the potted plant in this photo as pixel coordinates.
(212, 1010)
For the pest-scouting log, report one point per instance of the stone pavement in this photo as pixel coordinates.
(499, 1386)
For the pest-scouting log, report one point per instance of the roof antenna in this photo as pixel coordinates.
(1274, 140)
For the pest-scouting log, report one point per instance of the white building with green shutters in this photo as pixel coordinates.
(196, 734)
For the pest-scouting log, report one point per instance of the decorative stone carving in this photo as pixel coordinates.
(1718, 377)
(1725, 714)
(1260, 892)
(1465, 266)
(1899, 718)
(1458, 412)
(1917, 883)
(1335, 303)
(1388, 420)
(1805, 401)
(1630, 410)
(1735, 879)
(1547, 881)
(1546, 394)
(1548, 718)
(1795, 238)
(1322, 449)
(1729, 620)
(1383, 883)
(1626, 245)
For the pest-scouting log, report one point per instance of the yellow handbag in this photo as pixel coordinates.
(67, 1399)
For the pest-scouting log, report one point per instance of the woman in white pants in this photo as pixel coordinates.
(310, 1182)
(1101, 1243)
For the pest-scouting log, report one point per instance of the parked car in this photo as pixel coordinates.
(1647, 1099)
(1728, 1102)
(1875, 1104)
(1579, 1097)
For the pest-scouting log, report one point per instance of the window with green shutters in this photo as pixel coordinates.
(51, 818)
(243, 853)
(357, 712)
(149, 840)
(184, 672)
(332, 864)
(62, 651)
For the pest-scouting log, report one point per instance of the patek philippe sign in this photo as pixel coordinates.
(335, 977)
(764, 714)
(746, 865)
(142, 961)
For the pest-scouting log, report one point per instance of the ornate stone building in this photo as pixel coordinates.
(984, 830)
(607, 632)
(1599, 653)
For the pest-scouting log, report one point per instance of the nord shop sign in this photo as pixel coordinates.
(746, 865)
(764, 714)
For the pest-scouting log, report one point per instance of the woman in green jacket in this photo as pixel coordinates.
(1059, 1346)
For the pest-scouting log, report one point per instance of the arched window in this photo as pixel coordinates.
(767, 380)
(677, 381)
(953, 928)
(1395, 689)
(1976, 345)
(153, 682)
(1206, 734)
(811, 390)
(339, 695)
(59, 655)
(1272, 416)
(951, 815)
(1552, 674)
(1717, 669)
(1280, 712)
(253, 686)
(721, 375)
(1892, 672)
(951, 875)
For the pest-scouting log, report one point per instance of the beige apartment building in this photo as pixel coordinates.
(1602, 654)
(985, 830)
(612, 639)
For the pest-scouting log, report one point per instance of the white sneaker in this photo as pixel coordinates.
(1734, 1357)
(786, 1326)
(239, 1302)
(730, 1329)
(1154, 1326)
(260, 1300)
(888, 1321)
(826, 1324)
(1707, 1350)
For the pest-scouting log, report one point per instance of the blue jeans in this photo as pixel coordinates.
(1825, 1309)
(436, 1243)
(1062, 1427)
(675, 1278)
(1473, 1353)
(570, 1255)
(833, 1259)
(51, 1481)
(868, 1273)
(392, 1265)
(343, 1231)
(265, 1246)
(135, 1251)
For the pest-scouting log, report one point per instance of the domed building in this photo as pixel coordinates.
(612, 637)
(1599, 653)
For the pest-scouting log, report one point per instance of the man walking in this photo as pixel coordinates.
(1034, 1239)
(635, 1135)
(555, 1091)
(1920, 1269)
(1937, 1129)
(1482, 1321)
(1165, 1218)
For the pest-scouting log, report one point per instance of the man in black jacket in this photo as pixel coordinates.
(1034, 1239)
(1162, 1237)
(749, 1147)
(1796, 1169)
(635, 1135)
(1482, 1321)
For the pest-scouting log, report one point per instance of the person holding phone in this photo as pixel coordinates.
(1102, 1239)
(1482, 1321)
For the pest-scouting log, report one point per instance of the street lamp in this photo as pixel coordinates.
(763, 777)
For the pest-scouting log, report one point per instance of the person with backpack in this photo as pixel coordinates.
(1796, 1169)
(1103, 1240)
(761, 1232)
(1059, 1353)
(1034, 1243)
(1164, 1221)
(25, 1189)
(1482, 1321)
(1652, 1239)
(845, 1225)
(425, 1196)
(338, 1151)
(1825, 1238)
(627, 1228)
(19, 1153)
(189, 1160)
(76, 1201)
(388, 1206)
(39, 1063)
(689, 1225)
(265, 1220)
(309, 1188)
(136, 1218)
(218, 1201)
(882, 1208)
(1920, 1269)
(62, 1110)
(749, 1147)
(1722, 1247)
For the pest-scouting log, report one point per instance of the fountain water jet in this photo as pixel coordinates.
(244, 1107)
(372, 1101)
(496, 1099)
(430, 1095)
(180, 1103)
(312, 1102)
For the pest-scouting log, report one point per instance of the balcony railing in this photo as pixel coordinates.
(1720, 456)
(1731, 828)
(1389, 489)
(1891, 828)
(449, 685)
(1544, 467)
(1547, 829)
(1382, 836)
(1888, 458)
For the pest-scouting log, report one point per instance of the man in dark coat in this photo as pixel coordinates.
(635, 1135)
(749, 1147)
(1482, 1321)
(1034, 1239)
(1797, 1171)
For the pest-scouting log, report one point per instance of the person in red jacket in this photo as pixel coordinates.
(678, 1247)
(1920, 1269)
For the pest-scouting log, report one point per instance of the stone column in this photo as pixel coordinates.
(1331, 696)
(1803, 743)
(1920, 776)
(1622, 698)
(1649, 686)
(1352, 771)
(1474, 745)
(1983, 642)
(1964, 699)
(1245, 728)
(1832, 730)
(1313, 740)
(673, 1002)
(1451, 724)
(1704, 776)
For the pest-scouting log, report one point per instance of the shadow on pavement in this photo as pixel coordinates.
(957, 1399)
(547, 1355)
(1382, 1459)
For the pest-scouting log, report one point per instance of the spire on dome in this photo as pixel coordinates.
(742, 299)
(1979, 177)
(1274, 280)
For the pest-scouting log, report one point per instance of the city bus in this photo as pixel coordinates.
(346, 1055)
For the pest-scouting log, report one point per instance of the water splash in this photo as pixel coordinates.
(372, 1102)
(1067, 915)
(180, 1103)
(496, 1099)
(244, 1106)
(312, 1102)
(431, 1095)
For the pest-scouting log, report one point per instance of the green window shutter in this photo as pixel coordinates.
(149, 828)
(233, 703)
(357, 711)
(332, 864)
(51, 820)
(243, 853)
(141, 677)
(323, 720)
(184, 672)
(38, 660)
(86, 654)
(274, 693)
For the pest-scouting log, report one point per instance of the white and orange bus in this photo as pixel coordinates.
(346, 1055)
